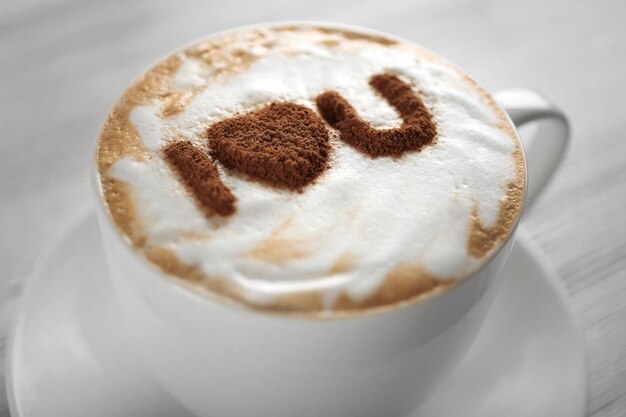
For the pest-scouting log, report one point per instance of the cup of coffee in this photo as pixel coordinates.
(309, 219)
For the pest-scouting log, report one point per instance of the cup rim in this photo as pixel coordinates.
(316, 315)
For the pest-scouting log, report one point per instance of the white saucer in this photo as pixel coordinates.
(68, 355)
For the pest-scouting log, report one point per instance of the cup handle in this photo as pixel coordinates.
(545, 149)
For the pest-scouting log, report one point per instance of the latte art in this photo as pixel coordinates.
(311, 169)
(286, 144)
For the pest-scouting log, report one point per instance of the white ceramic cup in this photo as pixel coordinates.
(221, 360)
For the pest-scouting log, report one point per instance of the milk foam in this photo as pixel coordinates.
(379, 213)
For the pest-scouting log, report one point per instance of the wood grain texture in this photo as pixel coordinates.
(64, 62)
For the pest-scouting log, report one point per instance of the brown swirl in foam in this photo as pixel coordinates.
(278, 247)
(484, 240)
(221, 57)
(344, 264)
(176, 102)
(404, 284)
(119, 138)
(169, 263)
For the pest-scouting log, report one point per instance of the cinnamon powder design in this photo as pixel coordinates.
(286, 145)
(417, 130)
(200, 176)
(282, 144)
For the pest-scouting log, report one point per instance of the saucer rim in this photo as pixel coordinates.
(43, 259)
(553, 277)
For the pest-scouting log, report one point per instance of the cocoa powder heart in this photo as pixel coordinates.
(282, 144)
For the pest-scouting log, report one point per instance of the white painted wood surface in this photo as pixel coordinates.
(64, 62)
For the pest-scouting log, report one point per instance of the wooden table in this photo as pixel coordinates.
(64, 62)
